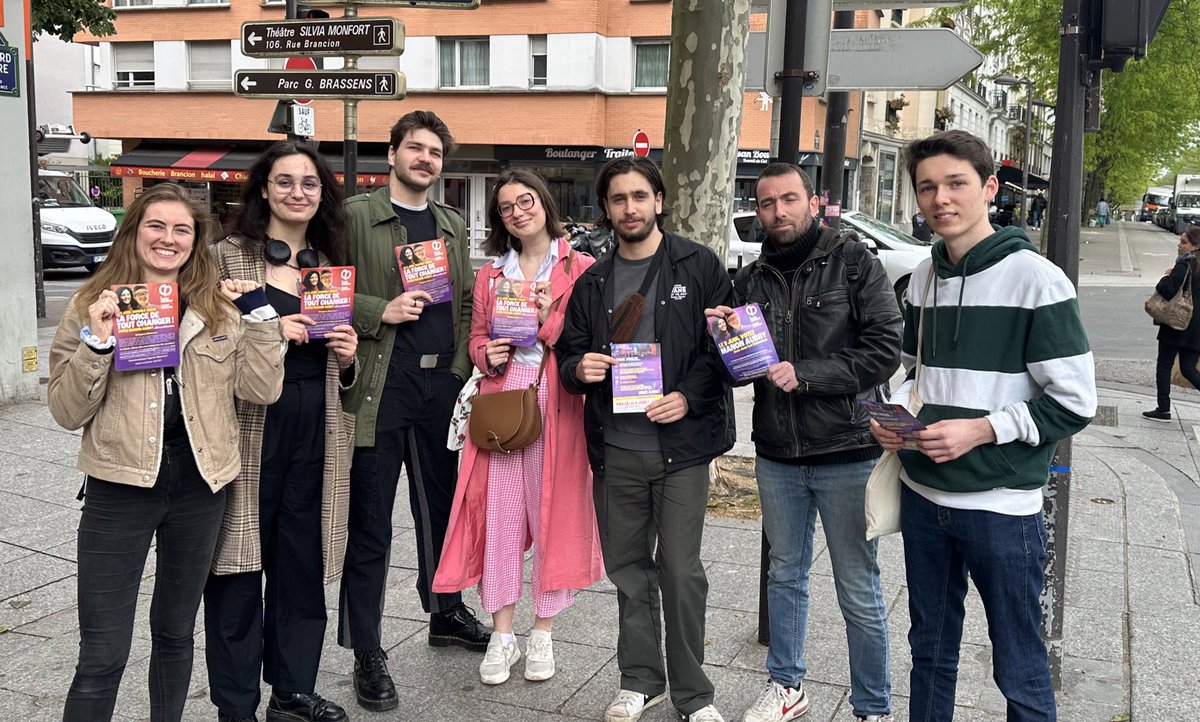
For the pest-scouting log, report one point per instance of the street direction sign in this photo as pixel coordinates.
(435, 4)
(892, 4)
(898, 59)
(339, 84)
(336, 36)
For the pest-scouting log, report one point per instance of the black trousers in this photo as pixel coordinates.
(284, 639)
(410, 428)
(1162, 371)
(116, 528)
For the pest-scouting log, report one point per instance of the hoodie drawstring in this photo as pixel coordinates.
(962, 289)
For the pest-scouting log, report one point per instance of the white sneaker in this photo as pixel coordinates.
(778, 704)
(705, 714)
(629, 706)
(499, 659)
(539, 656)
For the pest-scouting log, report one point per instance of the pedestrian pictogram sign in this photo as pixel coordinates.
(288, 84)
(338, 36)
(641, 144)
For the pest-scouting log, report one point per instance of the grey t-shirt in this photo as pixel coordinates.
(634, 431)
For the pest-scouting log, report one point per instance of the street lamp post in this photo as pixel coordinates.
(1010, 80)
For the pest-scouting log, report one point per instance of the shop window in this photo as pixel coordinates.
(465, 63)
(887, 186)
(651, 61)
(209, 65)
(537, 60)
(133, 65)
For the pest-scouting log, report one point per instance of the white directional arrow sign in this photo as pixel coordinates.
(898, 59)
(247, 83)
(253, 39)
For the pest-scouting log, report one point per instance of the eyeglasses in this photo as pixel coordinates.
(284, 184)
(524, 202)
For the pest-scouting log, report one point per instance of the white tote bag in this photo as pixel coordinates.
(882, 503)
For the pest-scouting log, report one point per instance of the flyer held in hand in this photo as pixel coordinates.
(147, 326)
(744, 342)
(425, 267)
(514, 314)
(637, 378)
(327, 297)
(896, 419)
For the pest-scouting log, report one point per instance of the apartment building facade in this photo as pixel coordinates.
(558, 85)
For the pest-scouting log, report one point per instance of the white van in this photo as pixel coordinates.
(74, 232)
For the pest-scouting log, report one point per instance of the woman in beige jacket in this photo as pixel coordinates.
(159, 443)
(286, 517)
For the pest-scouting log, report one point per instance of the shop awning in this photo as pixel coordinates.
(229, 164)
(1012, 175)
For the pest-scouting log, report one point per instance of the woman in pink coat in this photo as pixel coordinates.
(542, 494)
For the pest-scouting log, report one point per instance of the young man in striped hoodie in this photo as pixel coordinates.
(1006, 372)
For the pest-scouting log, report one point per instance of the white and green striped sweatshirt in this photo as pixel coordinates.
(1003, 340)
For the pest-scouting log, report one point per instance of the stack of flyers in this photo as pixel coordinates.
(514, 314)
(637, 378)
(327, 297)
(425, 267)
(147, 326)
(896, 419)
(744, 342)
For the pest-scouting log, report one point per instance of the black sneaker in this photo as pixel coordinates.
(458, 626)
(297, 706)
(373, 687)
(1157, 415)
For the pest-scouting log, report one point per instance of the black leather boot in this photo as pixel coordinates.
(373, 685)
(300, 707)
(458, 625)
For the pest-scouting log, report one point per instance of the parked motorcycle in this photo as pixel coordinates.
(595, 241)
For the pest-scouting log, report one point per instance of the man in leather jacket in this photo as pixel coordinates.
(836, 327)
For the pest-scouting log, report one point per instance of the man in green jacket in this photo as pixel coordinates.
(413, 358)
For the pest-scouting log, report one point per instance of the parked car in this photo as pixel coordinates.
(898, 251)
(1162, 217)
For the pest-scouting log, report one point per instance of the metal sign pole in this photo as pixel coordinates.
(350, 147)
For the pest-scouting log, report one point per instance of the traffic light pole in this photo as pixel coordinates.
(1066, 180)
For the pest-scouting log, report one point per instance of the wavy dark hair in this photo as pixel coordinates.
(499, 240)
(421, 120)
(629, 164)
(955, 143)
(326, 231)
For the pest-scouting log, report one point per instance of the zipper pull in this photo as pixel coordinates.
(169, 383)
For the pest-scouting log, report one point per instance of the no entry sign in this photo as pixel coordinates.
(641, 144)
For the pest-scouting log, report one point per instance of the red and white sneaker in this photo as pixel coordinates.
(778, 704)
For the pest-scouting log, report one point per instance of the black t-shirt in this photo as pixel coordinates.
(304, 361)
(433, 332)
(635, 431)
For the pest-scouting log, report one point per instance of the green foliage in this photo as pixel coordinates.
(65, 18)
(1150, 113)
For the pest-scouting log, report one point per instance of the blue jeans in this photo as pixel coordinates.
(792, 495)
(1004, 555)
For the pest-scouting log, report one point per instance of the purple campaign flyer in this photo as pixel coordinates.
(514, 314)
(744, 342)
(894, 418)
(637, 377)
(426, 267)
(147, 326)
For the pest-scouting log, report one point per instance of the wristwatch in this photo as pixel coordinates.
(93, 341)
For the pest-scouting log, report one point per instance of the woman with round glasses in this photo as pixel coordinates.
(542, 493)
(286, 519)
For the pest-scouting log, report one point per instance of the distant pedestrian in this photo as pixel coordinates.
(920, 227)
(163, 486)
(1184, 344)
(1037, 209)
(1102, 212)
(971, 497)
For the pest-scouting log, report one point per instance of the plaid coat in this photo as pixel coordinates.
(238, 545)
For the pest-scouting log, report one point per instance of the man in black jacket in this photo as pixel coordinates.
(837, 330)
(651, 467)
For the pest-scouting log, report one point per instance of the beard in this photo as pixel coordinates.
(637, 236)
(788, 236)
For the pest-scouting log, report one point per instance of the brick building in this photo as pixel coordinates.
(559, 85)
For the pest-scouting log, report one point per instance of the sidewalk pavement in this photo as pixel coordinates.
(1131, 619)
